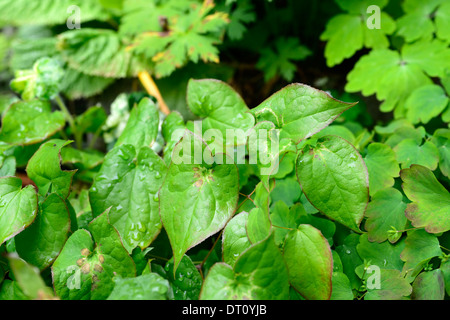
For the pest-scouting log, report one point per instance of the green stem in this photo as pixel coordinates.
(94, 138)
(77, 135)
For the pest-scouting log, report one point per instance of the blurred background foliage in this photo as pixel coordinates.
(258, 46)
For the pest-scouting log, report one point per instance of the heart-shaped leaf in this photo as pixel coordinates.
(300, 111)
(84, 271)
(334, 177)
(18, 207)
(259, 274)
(128, 183)
(220, 105)
(309, 262)
(234, 238)
(142, 126)
(42, 241)
(196, 199)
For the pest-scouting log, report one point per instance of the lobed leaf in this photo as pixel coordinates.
(430, 200)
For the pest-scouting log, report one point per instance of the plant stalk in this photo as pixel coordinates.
(152, 89)
(70, 120)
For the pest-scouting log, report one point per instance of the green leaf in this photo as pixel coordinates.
(8, 167)
(441, 139)
(342, 289)
(27, 51)
(278, 59)
(284, 219)
(385, 211)
(337, 130)
(442, 18)
(29, 122)
(258, 225)
(128, 182)
(10, 290)
(350, 259)
(286, 190)
(220, 106)
(97, 52)
(234, 238)
(145, 287)
(76, 85)
(383, 255)
(49, 12)
(193, 204)
(404, 133)
(82, 159)
(142, 125)
(392, 287)
(309, 262)
(382, 166)
(426, 103)
(419, 54)
(172, 129)
(43, 240)
(410, 152)
(243, 13)
(300, 111)
(420, 247)
(29, 279)
(429, 286)
(18, 207)
(347, 33)
(194, 32)
(325, 226)
(42, 82)
(389, 75)
(430, 200)
(334, 178)
(415, 25)
(259, 274)
(91, 120)
(445, 268)
(186, 281)
(44, 168)
(82, 271)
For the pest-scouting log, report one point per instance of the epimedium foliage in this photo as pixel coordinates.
(344, 214)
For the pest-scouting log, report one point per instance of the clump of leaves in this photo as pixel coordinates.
(405, 75)
(203, 229)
